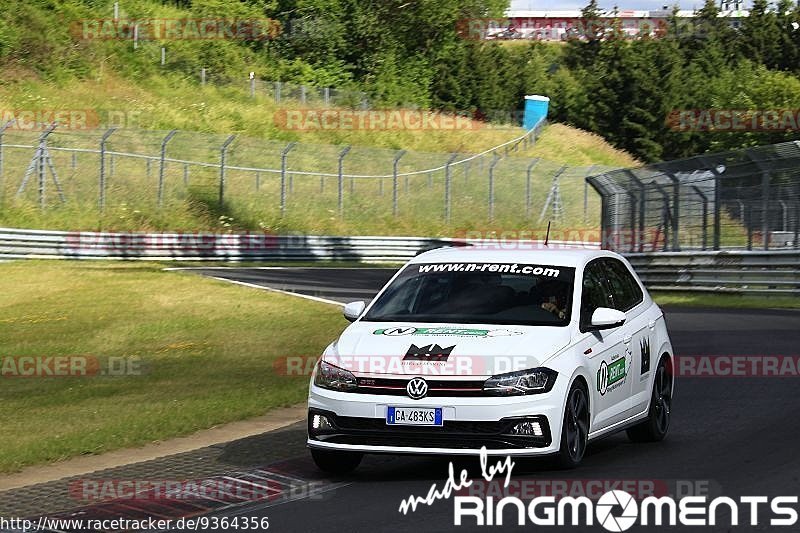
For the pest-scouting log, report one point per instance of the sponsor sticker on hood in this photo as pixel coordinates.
(444, 331)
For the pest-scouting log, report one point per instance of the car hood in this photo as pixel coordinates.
(375, 348)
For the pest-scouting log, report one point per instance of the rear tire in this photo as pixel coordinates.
(656, 426)
(335, 462)
(575, 427)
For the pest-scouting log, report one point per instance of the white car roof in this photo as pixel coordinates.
(566, 257)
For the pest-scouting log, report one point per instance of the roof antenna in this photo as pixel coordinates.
(547, 237)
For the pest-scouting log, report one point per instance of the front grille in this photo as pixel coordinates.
(436, 387)
(463, 434)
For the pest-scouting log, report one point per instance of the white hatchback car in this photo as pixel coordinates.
(521, 352)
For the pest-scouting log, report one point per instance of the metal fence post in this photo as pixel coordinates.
(186, 174)
(42, 170)
(284, 157)
(223, 152)
(2, 185)
(326, 92)
(704, 198)
(277, 92)
(494, 162)
(447, 179)
(2, 131)
(676, 211)
(589, 172)
(765, 193)
(302, 94)
(341, 179)
(161, 165)
(102, 185)
(528, 196)
(395, 164)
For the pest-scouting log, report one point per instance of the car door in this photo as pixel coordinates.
(628, 297)
(604, 351)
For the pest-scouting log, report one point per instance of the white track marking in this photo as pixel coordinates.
(263, 288)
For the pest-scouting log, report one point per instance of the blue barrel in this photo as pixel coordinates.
(535, 110)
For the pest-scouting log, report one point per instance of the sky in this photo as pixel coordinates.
(544, 5)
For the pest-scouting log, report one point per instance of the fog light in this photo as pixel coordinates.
(321, 422)
(527, 427)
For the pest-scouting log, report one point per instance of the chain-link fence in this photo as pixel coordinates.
(171, 176)
(745, 199)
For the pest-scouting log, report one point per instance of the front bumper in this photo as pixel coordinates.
(469, 423)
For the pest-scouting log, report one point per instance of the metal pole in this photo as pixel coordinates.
(327, 96)
(161, 166)
(528, 196)
(586, 194)
(395, 163)
(784, 215)
(284, 157)
(202, 76)
(447, 179)
(341, 179)
(163, 56)
(676, 211)
(2, 131)
(185, 174)
(704, 198)
(494, 162)
(41, 152)
(2, 186)
(765, 190)
(222, 154)
(252, 85)
(277, 92)
(102, 193)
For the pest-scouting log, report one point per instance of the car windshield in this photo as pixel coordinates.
(478, 293)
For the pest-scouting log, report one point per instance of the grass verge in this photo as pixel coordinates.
(207, 350)
(737, 301)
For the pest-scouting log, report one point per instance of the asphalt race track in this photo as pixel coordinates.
(729, 436)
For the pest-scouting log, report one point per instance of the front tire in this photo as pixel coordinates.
(656, 426)
(334, 462)
(575, 428)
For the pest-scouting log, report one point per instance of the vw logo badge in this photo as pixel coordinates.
(417, 388)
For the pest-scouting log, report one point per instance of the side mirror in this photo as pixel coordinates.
(606, 318)
(353, 310)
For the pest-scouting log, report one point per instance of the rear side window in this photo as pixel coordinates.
(625, 292)
(594, 292)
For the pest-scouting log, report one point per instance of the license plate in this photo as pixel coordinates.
(414, 416)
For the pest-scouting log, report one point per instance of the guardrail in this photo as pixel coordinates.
(773, 272)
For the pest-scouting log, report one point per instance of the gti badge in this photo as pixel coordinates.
(644, 346)
(431, 352)
(417, 388)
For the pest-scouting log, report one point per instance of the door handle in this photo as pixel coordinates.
(652, 324)
(627, 340)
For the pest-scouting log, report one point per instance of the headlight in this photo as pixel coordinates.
(334, 378)
(533, 381)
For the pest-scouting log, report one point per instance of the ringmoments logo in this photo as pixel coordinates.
(618, 510)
